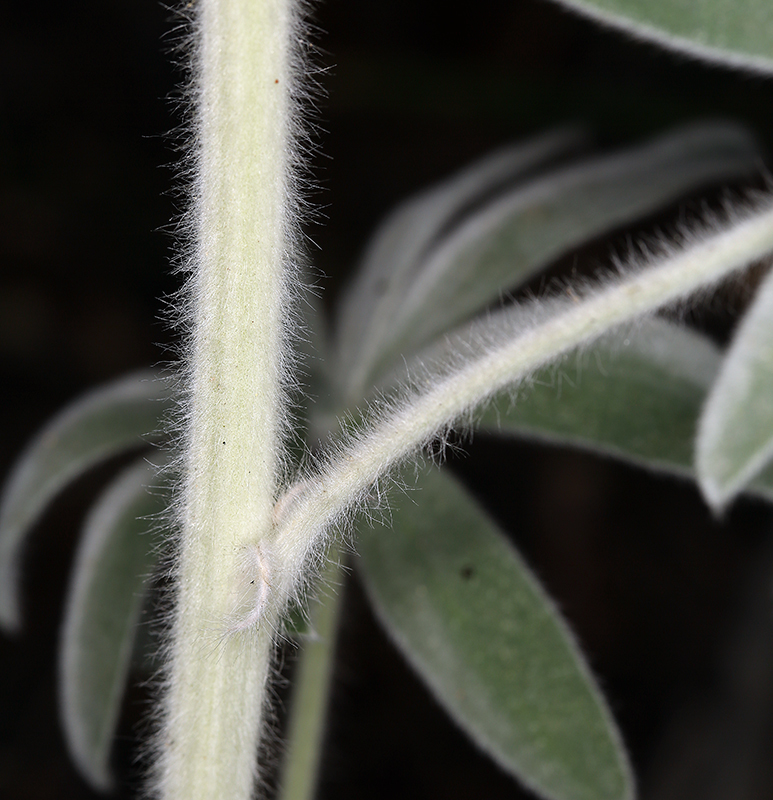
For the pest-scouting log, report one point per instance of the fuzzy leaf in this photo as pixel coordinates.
(514, 235)
(735, 32)
(116, 417)
(401, 242)
(639, 396)
(735, 437)
(115, 556)
(635, 394)
(475, 624)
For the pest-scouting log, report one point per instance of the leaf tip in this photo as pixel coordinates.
(717, 493)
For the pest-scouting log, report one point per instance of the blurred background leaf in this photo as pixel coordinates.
(116, 559)
(467, 614)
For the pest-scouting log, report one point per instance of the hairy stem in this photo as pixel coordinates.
(505, 352)
(219, 664)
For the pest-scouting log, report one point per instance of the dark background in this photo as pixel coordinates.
(672, 608)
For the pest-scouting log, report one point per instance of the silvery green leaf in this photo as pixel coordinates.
(734, 32)
(111, 419)
(635, 394)
(468, 615)
(115, 557)
(511, 237)
(397, 249)
(735, 436)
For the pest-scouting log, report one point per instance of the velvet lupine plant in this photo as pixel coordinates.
(253, 526)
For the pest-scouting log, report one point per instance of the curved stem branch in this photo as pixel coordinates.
(508, 353)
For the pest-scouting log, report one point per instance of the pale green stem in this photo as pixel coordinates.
(311, 689)
(309, 509)
(219, 664)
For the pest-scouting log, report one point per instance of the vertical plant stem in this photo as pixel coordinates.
(219, 667)
(312, 690)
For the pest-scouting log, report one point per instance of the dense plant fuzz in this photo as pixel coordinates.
(238, 374)
(502, 350)
(423, 347)
(214, 172)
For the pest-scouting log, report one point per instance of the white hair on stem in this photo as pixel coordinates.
(502, 350)
(246, 549)
(238, 318)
